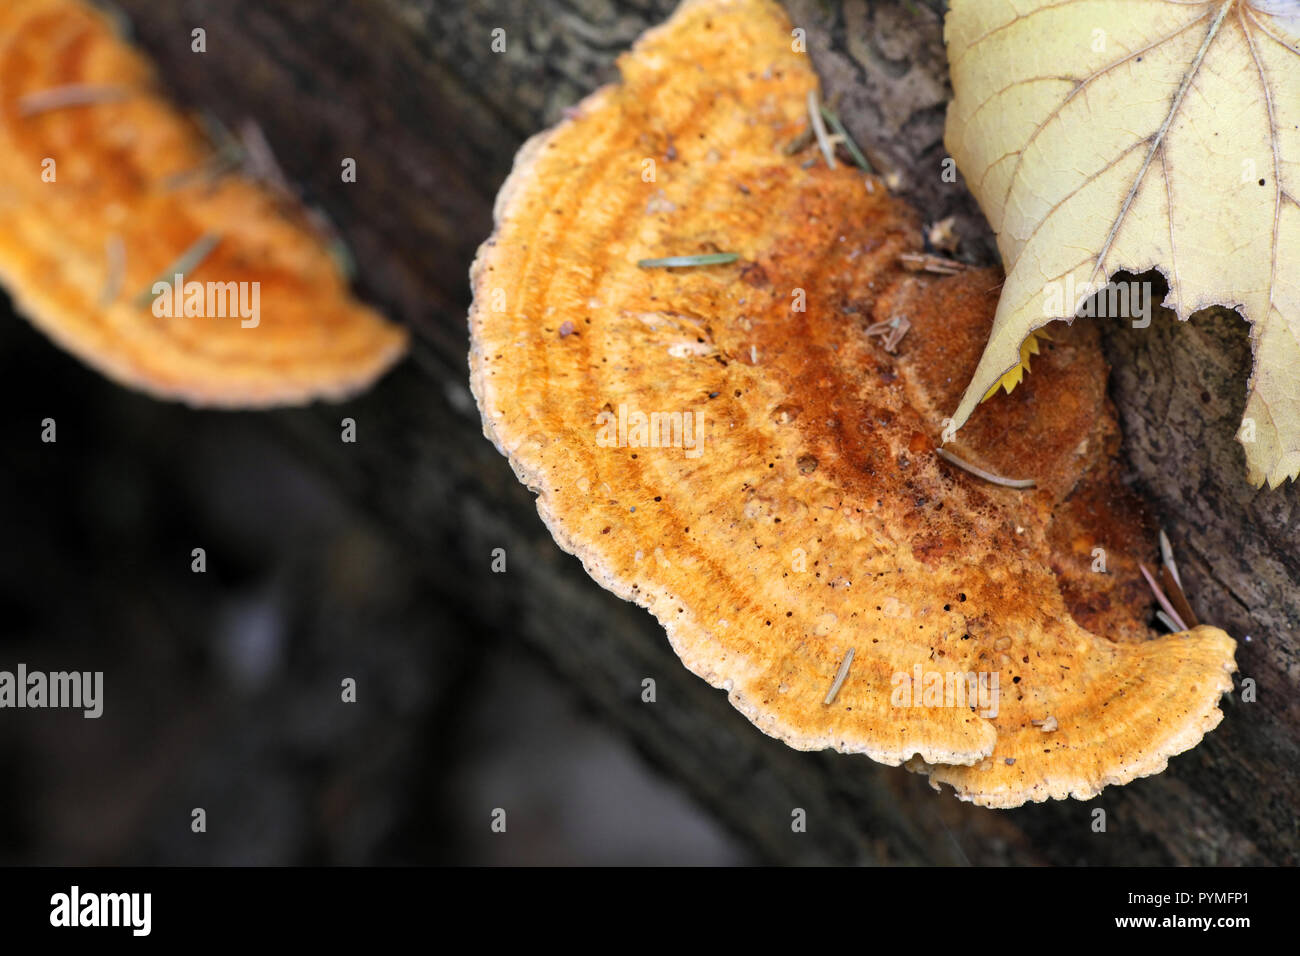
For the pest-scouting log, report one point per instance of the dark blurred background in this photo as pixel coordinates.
(222, 689)
(372, 560)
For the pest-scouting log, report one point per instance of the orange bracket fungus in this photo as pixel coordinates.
(131, 243)
(741, 440)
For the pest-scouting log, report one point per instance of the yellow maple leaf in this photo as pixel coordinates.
(1102, 136)
(1028, 348)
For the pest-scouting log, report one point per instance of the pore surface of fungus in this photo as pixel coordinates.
(732, 446)
(106, 190)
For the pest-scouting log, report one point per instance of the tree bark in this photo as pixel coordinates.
(413, 90)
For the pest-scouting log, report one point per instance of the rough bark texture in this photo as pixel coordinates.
(413, 91)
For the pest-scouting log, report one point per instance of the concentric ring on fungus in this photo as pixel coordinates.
(813, 516)
(106, 189)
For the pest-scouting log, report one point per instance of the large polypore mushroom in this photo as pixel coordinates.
(733, 446)
(107, 193)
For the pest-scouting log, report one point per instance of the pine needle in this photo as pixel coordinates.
(1173, 590)
(1160, 596)
(922, 262)
(1167, 556)
(120, 22)
(988, 476)
(227, 156)
(840, 675)
(259, 159)
(1169, 622)
(815, 117)
(799, 143)
(188, 261)
(829, 115)
(115, 254)
(674, 262)
(73, 94)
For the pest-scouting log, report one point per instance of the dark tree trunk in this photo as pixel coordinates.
(413, 91)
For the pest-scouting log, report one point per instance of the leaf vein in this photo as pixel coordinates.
(1174, 106)
(1277, 159)
(1083, 84)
